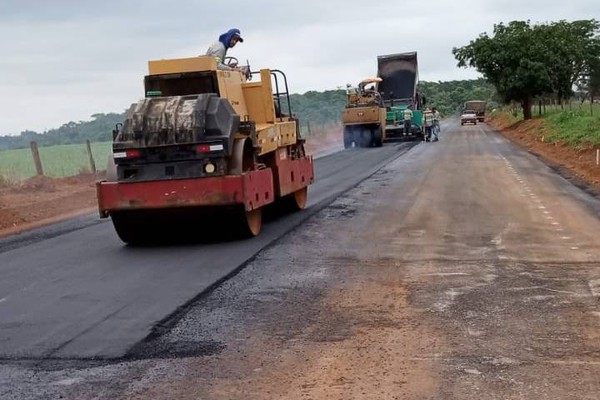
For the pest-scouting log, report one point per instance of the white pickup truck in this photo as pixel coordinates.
(468, 116)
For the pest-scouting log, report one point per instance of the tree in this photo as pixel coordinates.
(591, 79)
(524, 61)
(570, 49)
(588, 84)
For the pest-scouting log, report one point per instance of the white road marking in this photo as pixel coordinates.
(572, 362)
(562, 291)
(472, 371)
(522, 288)
(68, 381)
(450, 296)
(2, 300)
(540, 297)
(595, 287)
(474, 332)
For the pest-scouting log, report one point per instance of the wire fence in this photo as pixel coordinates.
(53, 161)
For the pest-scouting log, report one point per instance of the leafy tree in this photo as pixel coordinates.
(570, 48)
(524, 61)
(590, 82)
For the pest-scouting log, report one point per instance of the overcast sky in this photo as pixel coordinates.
(64, 60)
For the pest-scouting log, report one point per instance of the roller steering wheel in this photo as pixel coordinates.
(234, 63)
(231, 61)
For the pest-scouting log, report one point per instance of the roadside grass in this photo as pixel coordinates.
(577, 126)
(57, 161)
(5, 181)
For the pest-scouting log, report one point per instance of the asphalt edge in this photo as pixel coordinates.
(165, 325)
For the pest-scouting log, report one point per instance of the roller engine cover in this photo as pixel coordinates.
(175, 120)
(161, 136)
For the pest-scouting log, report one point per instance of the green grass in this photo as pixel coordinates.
(57, 161)
(578, 126)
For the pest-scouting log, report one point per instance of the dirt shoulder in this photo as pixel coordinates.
(41, 201)
(573, 162)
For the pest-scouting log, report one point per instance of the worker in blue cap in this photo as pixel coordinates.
(219, 49)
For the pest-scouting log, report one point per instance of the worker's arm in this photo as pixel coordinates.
(218, 51)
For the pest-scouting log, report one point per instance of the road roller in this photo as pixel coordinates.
(204, 153)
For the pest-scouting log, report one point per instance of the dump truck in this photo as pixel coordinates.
(478, 106)
(363, 118)
(399, 90)
(206, 150)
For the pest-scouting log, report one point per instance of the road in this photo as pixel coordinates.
(463, 269)
(76, 292)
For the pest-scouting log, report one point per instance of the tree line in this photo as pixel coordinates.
(99, 129)
(315, 108)
(449, 97)
(526, 62)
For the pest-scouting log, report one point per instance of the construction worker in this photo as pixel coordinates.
(219, 49)
(408, 116)
(436, 123)
(428, 125)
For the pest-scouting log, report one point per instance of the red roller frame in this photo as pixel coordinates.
(293, 175)
(253, 189)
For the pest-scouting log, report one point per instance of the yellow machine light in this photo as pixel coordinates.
(209, 168)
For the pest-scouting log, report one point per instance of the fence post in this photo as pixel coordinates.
(36, 158)
(308, 126)
(90, 155)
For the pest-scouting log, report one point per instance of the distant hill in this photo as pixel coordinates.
(317, 108)
(449, 97)
(99, 129)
